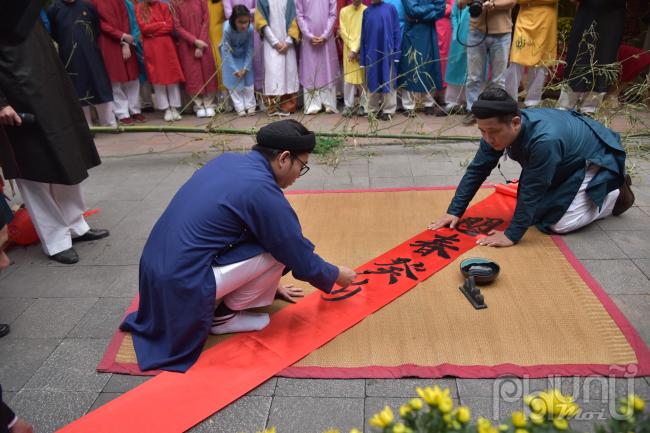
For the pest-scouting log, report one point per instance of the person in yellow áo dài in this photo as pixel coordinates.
(350, 19)
(534, 46)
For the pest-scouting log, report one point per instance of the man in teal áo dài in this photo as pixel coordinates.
(227, 237)
(419, 69)
(573, 168)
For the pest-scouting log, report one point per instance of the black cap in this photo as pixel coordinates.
(286, 135)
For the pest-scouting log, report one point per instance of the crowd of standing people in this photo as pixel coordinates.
(279, 55)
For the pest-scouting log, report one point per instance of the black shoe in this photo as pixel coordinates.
(385, 117)
(625, 198)
(4, 329)
(92, 235)
(67, 257)
(409, 113)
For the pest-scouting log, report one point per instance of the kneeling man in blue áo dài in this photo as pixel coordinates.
(573, 168)
(228, 235)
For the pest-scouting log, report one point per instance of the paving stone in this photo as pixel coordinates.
(633, 219)
(635, 309)
(315, 415)
(21, 358)
(406, 387)
(347, 183)
(644, 265)
(391, 182)
(592, 242)
(451, 181)
(307, 183)
(58, 282)
(111, 213)
(390, 167)
(119, 383)
(320, 387)
(12, 308)
(102, 320)
(634, 243)
(51, 318)
(72, 368)
(645, 209)
(8, 396)
(248, 414)
(429, 167)
(618, 276)
(267, 389)
(125, 284)
(48, 410)
(103, 398)
(592, 413)
(119, 252)
(506, 388)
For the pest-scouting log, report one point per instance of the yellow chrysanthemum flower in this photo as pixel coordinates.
(332, 430)
(521, 430)
(399, 428)
(560, 423)
(446, 405)
(404, 410)
(503, 427)
(355, 430)
(463, 415)
(431, 396)
(383, 418)
(625, 411)
(416, 403)
(636, 402)
(537, 418)
(268, 430)
(519, 419)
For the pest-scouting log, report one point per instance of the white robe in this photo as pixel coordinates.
(281, 70)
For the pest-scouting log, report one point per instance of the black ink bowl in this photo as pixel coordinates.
(483, 270)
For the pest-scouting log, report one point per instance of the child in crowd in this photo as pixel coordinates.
(237, 60)
(163, 68)
(195, 54)
(350, 20)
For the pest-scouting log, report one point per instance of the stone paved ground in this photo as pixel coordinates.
(62, 317)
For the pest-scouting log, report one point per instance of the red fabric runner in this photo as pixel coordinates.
(174, 402)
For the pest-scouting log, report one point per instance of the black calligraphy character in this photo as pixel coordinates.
(439, 244)
(396, 271)
(344, 293)
(477, 225)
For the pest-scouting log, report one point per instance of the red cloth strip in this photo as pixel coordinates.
(174, 402)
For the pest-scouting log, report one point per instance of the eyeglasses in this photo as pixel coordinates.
(304, 167)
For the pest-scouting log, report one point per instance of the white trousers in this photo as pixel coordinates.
(105, 114)
(203, 101)
(349, 93)
(126, 98)
(455, 95)
(166, 95)
(582, 210)
(409, 98)
(387, 102)
(56, 211)
(535, 87)
(249, 284)
(315, 99)
(589, 101)
(243, 99)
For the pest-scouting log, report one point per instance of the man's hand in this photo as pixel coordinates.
(200, 44)
(198, 53)
(495, 239)
(352, 56)
(289, 293)
(126, 52)
(128, 38)
(9, 117)
(444, 221)
(283, 47)
(21, 426)
(346, 276)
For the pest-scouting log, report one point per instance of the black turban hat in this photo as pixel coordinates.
(286, 135)
(484, 109)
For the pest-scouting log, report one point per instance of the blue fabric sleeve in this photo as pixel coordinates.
(228, 62)
(275, 225)
(429, 11)
(479, 169)
(364, 38)
(397, 36)
(535, 180)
